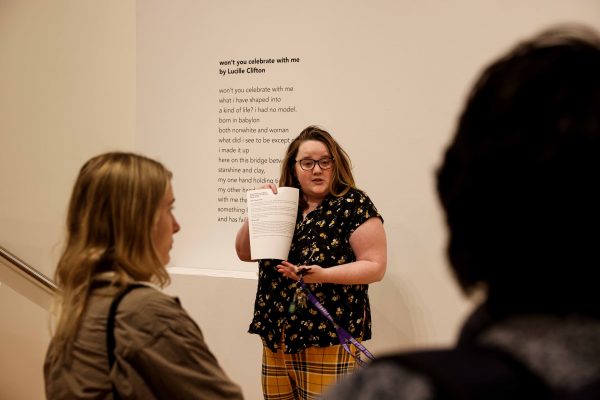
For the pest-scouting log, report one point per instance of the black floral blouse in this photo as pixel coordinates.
(323, 238)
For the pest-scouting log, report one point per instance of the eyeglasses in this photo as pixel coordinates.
(308, 164)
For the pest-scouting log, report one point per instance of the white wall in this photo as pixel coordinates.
(68, 91)
(387, 78)
(23, 342)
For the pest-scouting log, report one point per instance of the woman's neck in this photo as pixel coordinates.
(311, 205)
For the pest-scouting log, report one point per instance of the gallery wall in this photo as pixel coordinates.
(67, 92)
(386, 78)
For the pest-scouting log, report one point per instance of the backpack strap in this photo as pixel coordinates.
(110, 328)
(473, 374)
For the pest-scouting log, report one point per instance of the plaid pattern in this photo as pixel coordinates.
(304, 375)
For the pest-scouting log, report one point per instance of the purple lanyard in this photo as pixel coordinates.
(344, 337)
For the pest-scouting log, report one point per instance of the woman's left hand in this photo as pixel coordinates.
(308, 272)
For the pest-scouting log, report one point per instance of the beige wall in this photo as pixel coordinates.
(68, 91)
(23, 341)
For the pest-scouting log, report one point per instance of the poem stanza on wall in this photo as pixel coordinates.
(253, 132)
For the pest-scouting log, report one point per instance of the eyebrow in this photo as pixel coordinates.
(309, 158)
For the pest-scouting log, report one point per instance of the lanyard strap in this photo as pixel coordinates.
(344, 337)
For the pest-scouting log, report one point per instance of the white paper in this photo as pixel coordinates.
(272, 219)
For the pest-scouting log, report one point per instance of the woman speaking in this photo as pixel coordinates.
(339, 247)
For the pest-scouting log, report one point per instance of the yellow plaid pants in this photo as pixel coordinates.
(304, 375)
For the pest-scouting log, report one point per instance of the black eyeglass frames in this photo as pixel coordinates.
(308, 164)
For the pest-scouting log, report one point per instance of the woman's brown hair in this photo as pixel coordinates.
(112, 211)
(342, 179)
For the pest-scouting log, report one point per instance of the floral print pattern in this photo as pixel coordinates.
(322, 238)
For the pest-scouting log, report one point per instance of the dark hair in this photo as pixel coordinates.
(341, 178)
(518, 182)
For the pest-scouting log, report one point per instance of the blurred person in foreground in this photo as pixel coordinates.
(518, 186)
(120, 229)
(340, 243)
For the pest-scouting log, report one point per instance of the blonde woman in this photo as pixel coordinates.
(120, 229)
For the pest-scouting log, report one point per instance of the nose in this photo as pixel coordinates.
(176, 226)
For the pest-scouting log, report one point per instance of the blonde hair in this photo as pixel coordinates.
(112, 211)
(341, 178)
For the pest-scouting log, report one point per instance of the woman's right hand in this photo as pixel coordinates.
(270, 186)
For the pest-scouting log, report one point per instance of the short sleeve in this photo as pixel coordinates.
(362, 209)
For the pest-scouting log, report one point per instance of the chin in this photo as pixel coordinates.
(165, 261)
